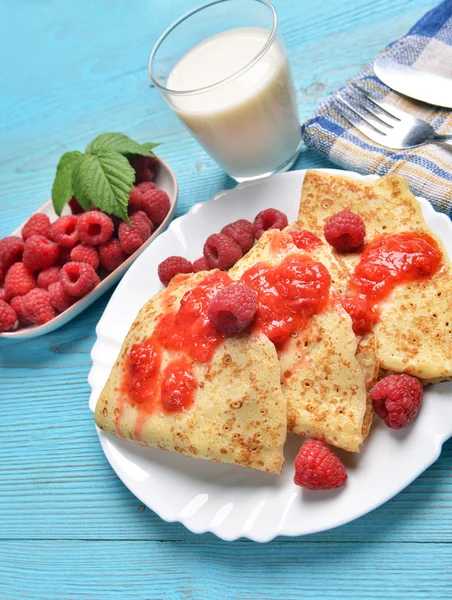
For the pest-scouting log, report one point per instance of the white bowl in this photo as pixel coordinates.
(165, 180)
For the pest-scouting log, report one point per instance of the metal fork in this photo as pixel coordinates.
(387, 125)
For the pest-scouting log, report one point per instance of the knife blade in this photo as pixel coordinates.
(420, 85)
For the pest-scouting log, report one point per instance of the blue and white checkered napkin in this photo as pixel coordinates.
(428, 169)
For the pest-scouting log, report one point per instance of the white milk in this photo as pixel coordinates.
(248, 124)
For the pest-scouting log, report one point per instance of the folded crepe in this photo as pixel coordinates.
(219, 400)
(414, 329)
(324, 374)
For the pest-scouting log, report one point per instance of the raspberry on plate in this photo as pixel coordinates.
(64, 231)
(270, 218)
(397, 399)
(48, 276)
(317, 468)
(143, 223)
(132, 236)
(345, 231)
(221, 252)
(17, 305)
(37, 224)
(11, 250)
(19, 280)
(36, 307)
(40, 253)
(232, 309)
(58, 297)
(8, 317)
(78, 278)
(135, 200)
(172, 266)
(86, 254)
(144, 166)
(75, 207)
(241, 232)
(94, 228)
(363, 317)
(200, 264)
(111, 254)
(156, 204)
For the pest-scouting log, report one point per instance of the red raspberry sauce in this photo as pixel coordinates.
(390, 261)
(305, 240)
(287, 296)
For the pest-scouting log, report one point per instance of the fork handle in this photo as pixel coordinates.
(442, 139)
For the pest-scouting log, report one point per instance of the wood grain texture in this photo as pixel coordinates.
(68, 526)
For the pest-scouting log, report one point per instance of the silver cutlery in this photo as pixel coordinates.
(386, 124)
(415, 83)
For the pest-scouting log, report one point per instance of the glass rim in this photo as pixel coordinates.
(242, 70)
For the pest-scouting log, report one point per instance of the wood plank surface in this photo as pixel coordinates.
(71, 69)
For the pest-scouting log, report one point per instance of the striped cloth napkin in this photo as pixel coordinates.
(428, 169)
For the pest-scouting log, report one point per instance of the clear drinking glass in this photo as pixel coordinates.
(223, 70)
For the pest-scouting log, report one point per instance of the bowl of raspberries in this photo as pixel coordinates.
(52, 268)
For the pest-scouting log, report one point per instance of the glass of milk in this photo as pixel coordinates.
(223, 70)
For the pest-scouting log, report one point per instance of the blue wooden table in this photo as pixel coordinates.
(71, 69)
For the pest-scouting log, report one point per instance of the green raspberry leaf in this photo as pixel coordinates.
(104, 179)
(116, 142)
(150, 146)
(62, 190)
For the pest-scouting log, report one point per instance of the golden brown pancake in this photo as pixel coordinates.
(414, 331)
(322, 379)
(239, 413)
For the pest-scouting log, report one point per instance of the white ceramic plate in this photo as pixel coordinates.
(165, 180)
(228, 500)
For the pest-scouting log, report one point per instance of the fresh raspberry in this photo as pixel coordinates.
(305, 240)
(145, 186)
(317, 468)
(145, 167)
(3, 295)
(221, 252)
(172, 266)
(48, 276)
(64, 231)
(19, 280)
(64, 255)
(270, 218)
(37, 224)
(2, 274)
(94, 228)
(78, 278)
(397, 399)
(75, 207)
(17, 304)
(40, 253)
(36, 307)
(143, 223)
(111, 254)
(156, 204)
(86, 254)
(345, 231)
(363, 317)
(135, 200)
(200, 264)
(241, 232)
(11, 250)
(232, 309)
(8, 317)
(58, 297)
(132, 236)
